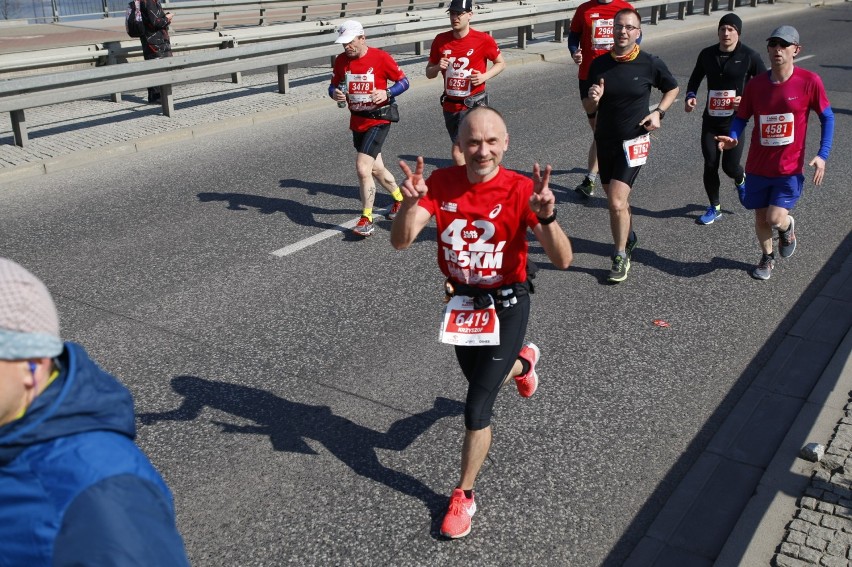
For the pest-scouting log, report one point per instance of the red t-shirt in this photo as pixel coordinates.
(472, 52)
(362, 75)
(482, 227)
(780, 112)
(593, 20)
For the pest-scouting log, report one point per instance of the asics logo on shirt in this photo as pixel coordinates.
(495, 211)
(469, 53)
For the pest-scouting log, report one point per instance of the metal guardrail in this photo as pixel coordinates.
(17, 95)
(266, 11)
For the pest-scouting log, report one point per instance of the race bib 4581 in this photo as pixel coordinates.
(776, 129)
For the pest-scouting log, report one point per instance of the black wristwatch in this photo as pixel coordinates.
(548, 220)
(661, 111)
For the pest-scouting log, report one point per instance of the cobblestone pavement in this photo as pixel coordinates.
(821, 531)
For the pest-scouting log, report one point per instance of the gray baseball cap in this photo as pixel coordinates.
(787, 33)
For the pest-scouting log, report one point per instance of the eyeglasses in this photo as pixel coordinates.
(619, 27)
(777, 42)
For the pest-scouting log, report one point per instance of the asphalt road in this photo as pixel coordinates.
(301, 408)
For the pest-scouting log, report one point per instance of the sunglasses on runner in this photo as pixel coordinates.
(777, 42)
(629, 28)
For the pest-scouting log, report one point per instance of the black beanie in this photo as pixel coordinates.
(731, 19)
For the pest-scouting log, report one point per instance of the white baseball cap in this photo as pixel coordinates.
(349, 30)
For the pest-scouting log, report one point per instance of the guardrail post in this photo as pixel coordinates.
(731, 4)
(55, 7)
(663, 11)
(215, 20)
(655, 14)
(237, 76)
(522, 37)
(681, 10)
(105, 4)
(418, 48)
(690, 8)
(262, 16)
(167, 99)
(284, 78)
(557, 31)
(19, 127)
(708, 5)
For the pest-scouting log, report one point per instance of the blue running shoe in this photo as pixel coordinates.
(710, 216)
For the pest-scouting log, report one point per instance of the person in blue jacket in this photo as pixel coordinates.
(74, 487)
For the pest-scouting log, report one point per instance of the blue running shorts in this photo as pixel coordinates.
(760, 191)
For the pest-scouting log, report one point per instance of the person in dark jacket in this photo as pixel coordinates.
(728, 66)
(75, 488)
(155, 43)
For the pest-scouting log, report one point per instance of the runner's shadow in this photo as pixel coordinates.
(288, 424)
(640, 256)
(343, 191)
(297, 212)
(429, 162)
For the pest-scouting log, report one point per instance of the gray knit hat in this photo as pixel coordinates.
(29, 324)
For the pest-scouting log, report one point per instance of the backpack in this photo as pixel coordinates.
(133, 20)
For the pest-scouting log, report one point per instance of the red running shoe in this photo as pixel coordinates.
(528, 383)
(364, 227)
(457, 521)
(394, 209)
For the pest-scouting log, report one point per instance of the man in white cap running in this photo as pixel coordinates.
(361, 78)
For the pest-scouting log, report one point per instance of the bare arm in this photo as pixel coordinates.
(411, 218)
(496, 68)
(551, 236)
(652, 120)
(593, 98)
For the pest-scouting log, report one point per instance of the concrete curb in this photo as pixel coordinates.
(763, 523)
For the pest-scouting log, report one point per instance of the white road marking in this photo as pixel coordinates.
(797, 59)
(302, 244)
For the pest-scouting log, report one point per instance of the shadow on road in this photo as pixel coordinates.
(709, 522)
(289, 423)
(297, 212)
(643, 256)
